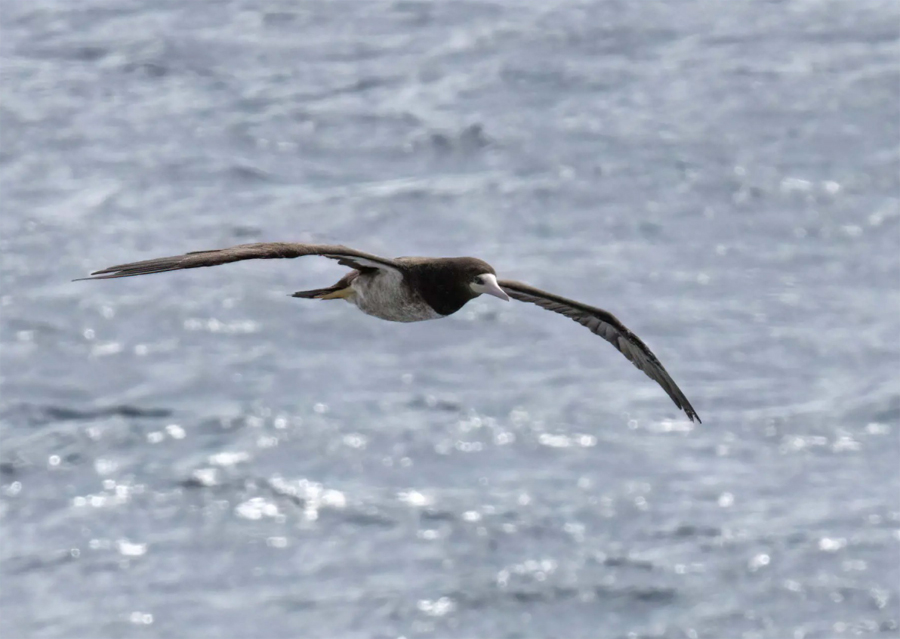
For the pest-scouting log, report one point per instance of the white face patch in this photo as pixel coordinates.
(487, 283)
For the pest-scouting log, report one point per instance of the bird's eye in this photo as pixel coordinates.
(479, 280)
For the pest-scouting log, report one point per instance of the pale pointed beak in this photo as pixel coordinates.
(491, 287)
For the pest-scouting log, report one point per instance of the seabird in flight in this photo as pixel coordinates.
(412, 289)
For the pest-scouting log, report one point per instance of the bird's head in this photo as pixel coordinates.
(483, 279)
(487, 283)
(448, 283)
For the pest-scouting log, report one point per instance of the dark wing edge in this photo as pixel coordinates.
(607, 326)
(264, 250)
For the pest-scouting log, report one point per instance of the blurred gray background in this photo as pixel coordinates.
(198, 455)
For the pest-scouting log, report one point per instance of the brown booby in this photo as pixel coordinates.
(413, 289)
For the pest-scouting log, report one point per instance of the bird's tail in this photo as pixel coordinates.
(338, 291)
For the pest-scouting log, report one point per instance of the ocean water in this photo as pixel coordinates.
(197, 454)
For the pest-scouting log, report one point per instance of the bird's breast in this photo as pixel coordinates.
(386, 295)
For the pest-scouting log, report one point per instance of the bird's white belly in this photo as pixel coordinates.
(385, 295)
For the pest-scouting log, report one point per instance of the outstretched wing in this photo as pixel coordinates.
(261, 251)
(607, 326)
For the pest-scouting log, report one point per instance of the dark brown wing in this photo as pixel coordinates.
(262, 251)
(607, 326)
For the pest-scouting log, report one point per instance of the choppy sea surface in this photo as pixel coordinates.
(197, 454)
